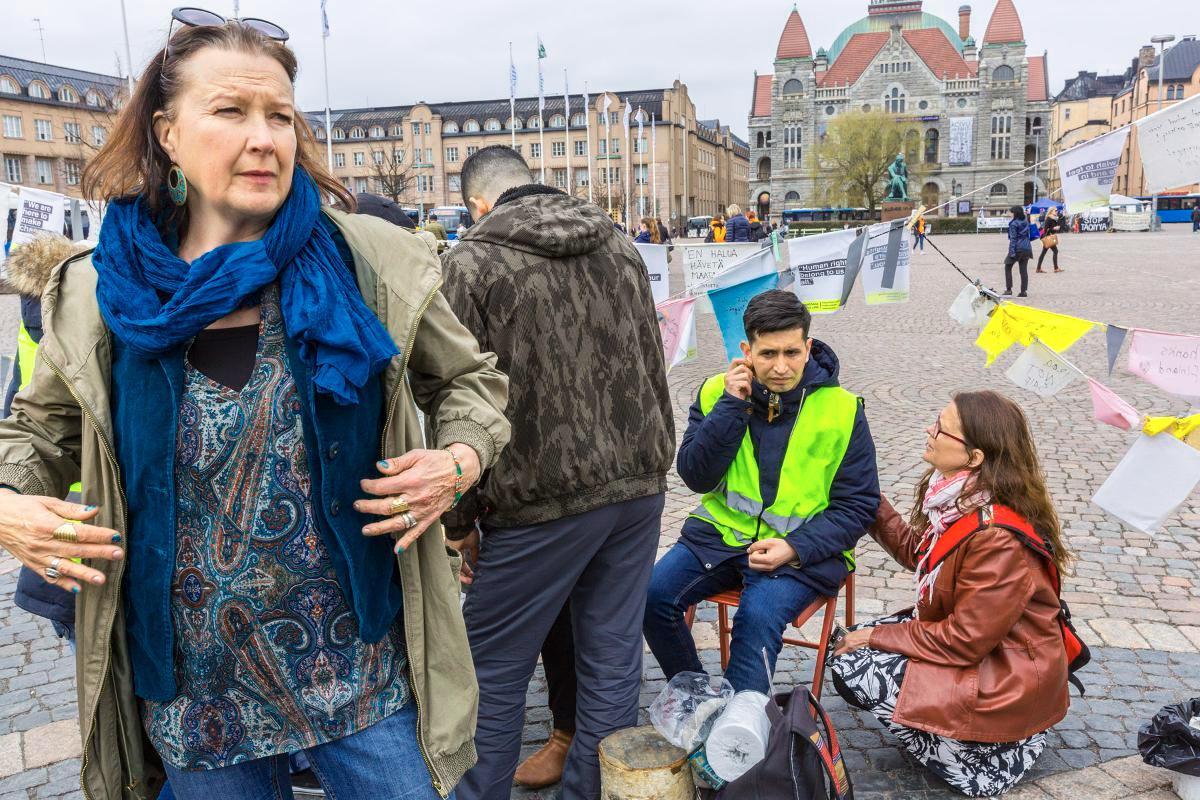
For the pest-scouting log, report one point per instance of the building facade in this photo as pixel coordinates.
(679, 166)
(980, 110)
(54, 119)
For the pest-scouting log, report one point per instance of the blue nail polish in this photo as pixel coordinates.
(74, 590)
(399, 549)
(116, 538)
(91, 508)
(381, 464)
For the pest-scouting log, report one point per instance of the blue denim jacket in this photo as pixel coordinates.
(342, 443)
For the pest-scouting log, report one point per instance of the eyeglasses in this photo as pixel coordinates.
(190, 17)
(937, 431)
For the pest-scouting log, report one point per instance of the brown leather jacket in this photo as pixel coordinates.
(987, 657)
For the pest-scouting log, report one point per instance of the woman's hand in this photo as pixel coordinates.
(425, 480)
(27, 527)
(854, 640)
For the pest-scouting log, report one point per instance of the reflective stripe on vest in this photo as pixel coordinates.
(816, 447)
(26, 357)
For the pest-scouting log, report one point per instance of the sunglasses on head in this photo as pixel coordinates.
(190, 17)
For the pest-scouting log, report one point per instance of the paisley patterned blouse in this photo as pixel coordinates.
(268, 658)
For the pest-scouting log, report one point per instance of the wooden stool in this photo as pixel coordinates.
(730, 599)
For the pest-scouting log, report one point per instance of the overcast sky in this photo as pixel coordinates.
(389, 52)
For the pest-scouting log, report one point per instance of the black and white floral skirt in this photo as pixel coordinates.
(870, 680)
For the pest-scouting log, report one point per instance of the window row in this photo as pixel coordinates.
(43, 130)
(43, 168)
(39, 90)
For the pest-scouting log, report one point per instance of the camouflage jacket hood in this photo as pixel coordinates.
(545, 222)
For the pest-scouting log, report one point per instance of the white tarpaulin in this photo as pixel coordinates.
(1169, 142)
(962, 140)
(1087, 171)
(654, 256)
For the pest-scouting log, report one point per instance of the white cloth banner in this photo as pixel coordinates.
(885, 271)
(38, 212)
(1041, 371)
(703, 262)
(1087, 172)
(1152, 480)
(1169, 143)
(759, 263)
(962, 140)
(816, 269)
(654, 256)
(971, 308)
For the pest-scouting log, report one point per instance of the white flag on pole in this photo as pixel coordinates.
(625, 119)
(1088, 171)
(324, 21)
(541, 78)
(1169, 142)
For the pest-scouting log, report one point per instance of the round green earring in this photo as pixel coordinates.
(177, 185)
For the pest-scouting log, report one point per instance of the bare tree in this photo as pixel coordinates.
(392, 174)
(850, 162)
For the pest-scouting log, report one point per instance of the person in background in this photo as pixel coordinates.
(572, 511)
(435, 227)
(784, 459)
(1196, 217)
(919, 234)
(716, 230)
(757, 232)
(1019, 251)
(664, 235)
(1052, 226)
(971, 678)
(648, 232)
(377, 206)
(737, 227)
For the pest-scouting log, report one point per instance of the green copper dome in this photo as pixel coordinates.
(911, 21)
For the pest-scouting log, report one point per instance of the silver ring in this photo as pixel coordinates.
(408, 519)
(52, 573)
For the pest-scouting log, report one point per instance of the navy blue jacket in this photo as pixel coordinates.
(643, 237)
(711, 443)
(1018, 238)
(737, 229)
(342, 447)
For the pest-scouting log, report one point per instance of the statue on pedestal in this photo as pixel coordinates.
(898, 179)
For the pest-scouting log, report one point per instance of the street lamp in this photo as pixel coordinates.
(1161, 41)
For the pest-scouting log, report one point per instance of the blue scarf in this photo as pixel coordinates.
(322, 308)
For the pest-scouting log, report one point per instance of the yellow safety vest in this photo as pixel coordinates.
(26, 357)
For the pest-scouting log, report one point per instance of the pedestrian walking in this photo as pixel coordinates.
(919, 234)
(258, 503)
(757, 233)
(648, 232)
(716, 231)
(1052, 226)
(944, 677)
(1019, 251)
(1196, 217)
(737, 227)
(572, 510)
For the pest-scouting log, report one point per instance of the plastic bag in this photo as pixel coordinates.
(684, 712)
(1172, 739)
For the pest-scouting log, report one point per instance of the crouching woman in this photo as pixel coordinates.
(970, 678)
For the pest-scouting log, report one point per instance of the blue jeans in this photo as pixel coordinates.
(381, 762)
(770, 601)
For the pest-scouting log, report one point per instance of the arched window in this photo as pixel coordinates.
(491, 124)
(793, 87)
(319, 133)
(357, 133)
(533, 122)
(94, 99)
(764, 168)
(471, 126)
(1003, 74)
(792, 150)
(999, 190)
(450, 127)
(338, 133)
(513, 124)
(558, 121)
(1171, 92)
(67, 94)
(932, 140)
(895, 101)
(39, 90)
(376, 131)
(929, 195)
(760, 139)
(791, 197)
(579, 120)
(8, 85)
(397, 131)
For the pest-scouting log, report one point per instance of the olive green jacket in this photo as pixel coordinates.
(61, 430)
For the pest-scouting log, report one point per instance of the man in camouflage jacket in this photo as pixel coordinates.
(572, 509)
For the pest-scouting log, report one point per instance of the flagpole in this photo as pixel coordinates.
(641, 166)
(628, 192)
(653, 168)
(567, 112)
(587, 121)
(608, 157)
(512, 97)
(541, 112)
(328, 114)
(128, 52)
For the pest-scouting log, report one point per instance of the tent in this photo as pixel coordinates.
(1045, 204)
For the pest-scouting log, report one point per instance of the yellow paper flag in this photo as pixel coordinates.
(1011, 324)
(1179, 427)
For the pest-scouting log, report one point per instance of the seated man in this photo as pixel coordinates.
(786, 463)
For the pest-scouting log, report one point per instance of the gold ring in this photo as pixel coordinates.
(399, 505)
(67, 532)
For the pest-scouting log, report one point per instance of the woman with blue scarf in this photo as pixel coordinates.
(235, 373)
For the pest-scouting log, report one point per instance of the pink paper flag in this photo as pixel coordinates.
(1169, 361)
(1110, 409)
(677, 324)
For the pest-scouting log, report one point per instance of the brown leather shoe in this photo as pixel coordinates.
(545, 767)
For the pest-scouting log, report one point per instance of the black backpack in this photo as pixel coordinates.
(802, 762)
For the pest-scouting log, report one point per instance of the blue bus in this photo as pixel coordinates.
(1175, 207)
(830, 215)
(451, 217)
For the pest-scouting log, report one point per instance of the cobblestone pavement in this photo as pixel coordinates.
(1136, 596)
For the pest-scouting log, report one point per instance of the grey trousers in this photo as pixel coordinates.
(601, 561)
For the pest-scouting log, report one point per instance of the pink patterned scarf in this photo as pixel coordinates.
(942, 507)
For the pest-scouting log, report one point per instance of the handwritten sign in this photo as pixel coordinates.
(654, 256)
(1170, 146)
(1169, 361)
(703, 262)
(1041, 371)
